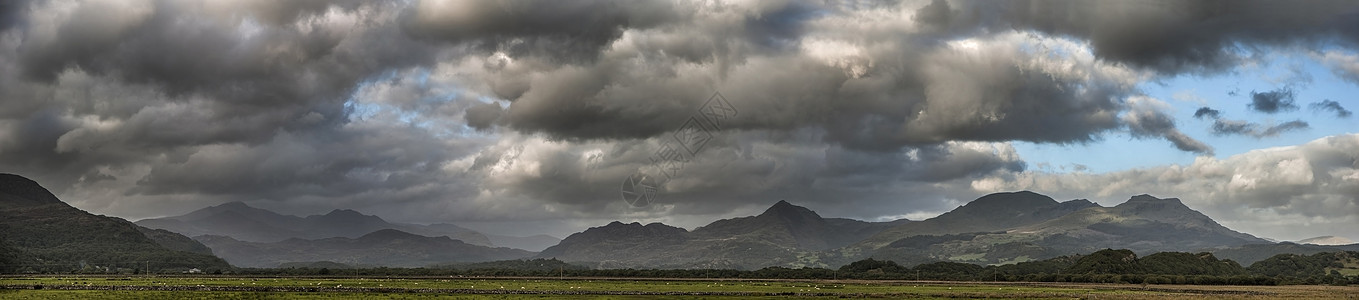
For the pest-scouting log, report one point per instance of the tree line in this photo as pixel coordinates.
(1104, 266)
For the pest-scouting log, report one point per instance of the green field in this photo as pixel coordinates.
(82, 287)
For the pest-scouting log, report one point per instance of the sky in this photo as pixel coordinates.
(529, 117)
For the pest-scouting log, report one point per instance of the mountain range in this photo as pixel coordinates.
(1043, 228)
(784, 235)
(994, 229)
(40, 232)
(385, 248)
(249, 224)
(246, 223)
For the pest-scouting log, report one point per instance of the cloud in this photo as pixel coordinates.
(134, 79)
(1236, 127)
(1344, 65)
(1146, 120)
(1223, 127)
(1206, 112)
(429, 111)
(1168, 36)
(1008, 90)
(10, 13)
(1275, 101)
(1331, 106)
(574, 31)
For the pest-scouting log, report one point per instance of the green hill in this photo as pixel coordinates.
(1249, 254)
(43, 234)
(1343, 263)
(1182, 263)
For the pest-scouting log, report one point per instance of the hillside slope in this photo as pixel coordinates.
(47, 235)
(382, 248)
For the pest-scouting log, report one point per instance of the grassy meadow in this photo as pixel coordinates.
(90, 287)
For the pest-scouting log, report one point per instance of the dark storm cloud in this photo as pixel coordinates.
(936, 15)
(166, 77)
(11, 13)
(736, 170)
(570, 30)
(199, 86)
(536, 110)
(1168, 35)
(1331, 106)
(946, 94)
(621, 97)
(936, 163)
(1275, 101)
(1237, 127)
(1205, 112)
(484, 115)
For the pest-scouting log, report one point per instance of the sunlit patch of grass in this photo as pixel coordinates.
(968, 257)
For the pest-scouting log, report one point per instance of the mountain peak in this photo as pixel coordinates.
(1021, 200)
(27, 191)
(347, 217)
(344, 212)
(234, 205)
(783, 208)
(388, 234)
(634, 227)
(1148, 200)
(1078, 204)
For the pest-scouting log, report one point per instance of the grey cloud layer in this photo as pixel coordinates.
(511, 110)
(1166, 35)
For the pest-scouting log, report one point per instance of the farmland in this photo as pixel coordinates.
(91, 287)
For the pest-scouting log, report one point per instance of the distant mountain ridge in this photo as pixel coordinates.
(796, 227)
(1143, 224)
(1249, 254)
(36, 228)
(1327, 241)
(993, 212)
(994, 229)
(40, 233)
(382, 248)
(246, 223)
(784, 235)
(536, 243)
